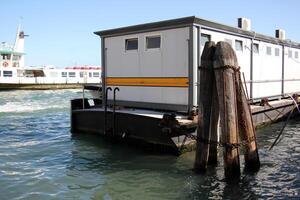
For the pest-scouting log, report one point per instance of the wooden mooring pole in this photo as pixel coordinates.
(205, 107)
(213, 131)
(246, 128)
(222, 96)
(225, 66)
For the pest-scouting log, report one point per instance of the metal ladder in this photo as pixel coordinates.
(114, 111)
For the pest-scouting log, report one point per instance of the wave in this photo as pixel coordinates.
(18, 107)
(31, 100)
(61, 91)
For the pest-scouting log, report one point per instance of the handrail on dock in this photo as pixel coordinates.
(105, 108)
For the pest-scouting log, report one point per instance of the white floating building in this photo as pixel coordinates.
(155, 65)
(151, 72)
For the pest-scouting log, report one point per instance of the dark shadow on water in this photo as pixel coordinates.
(240, 190)
(213, 185)
(92, 153)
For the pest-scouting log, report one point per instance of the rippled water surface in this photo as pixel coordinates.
(40, 159)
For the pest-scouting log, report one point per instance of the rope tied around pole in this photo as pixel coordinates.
(242, 143)
(234, 113)
(234, 68)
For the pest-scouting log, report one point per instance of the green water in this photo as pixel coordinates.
(40, 159)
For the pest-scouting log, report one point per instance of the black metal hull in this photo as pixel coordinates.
(134, 129)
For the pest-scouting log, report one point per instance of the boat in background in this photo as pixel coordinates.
(15, 75)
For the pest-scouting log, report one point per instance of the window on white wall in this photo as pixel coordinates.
(290, 53)
(64, 74)
(131, 44)
(269, 51)
(255, 48)
(205, 38)
(296, 54)
(72, 74)
(153, 42)
(228, 41)
(276, 51)
(7, 73)
(95, 74)
(81, 74)
(238, 45)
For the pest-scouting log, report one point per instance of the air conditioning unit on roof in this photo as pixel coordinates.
(280, 34)
(244, 23)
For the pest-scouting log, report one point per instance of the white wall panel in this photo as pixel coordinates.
(242, 56)
(171, 60)
(292, 87)
(166, 95)
(291, 70)
(175, 95)
(267, 68)
(266, 89)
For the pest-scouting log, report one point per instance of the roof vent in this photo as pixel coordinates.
(244, 24)
(280, 34)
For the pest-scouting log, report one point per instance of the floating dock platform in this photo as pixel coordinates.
(156, 130)
(151, 80)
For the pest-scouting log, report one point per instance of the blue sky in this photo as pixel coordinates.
(61, 31)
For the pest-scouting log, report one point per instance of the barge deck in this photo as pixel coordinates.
(157, 130)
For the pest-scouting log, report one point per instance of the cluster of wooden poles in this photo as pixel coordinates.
(222, 100)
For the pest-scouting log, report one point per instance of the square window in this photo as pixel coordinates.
(153, 42)
(81, 74)
(64, 74)
(269, 51)
(7, 73)
(131, 44)
(276, 51)
(15, 57)
(6, 56)
(228, 41)
(238, 45)
(290, 53)
(205, 38)
(72, 74)
(255, 48)
(296, 54)
(95, 74)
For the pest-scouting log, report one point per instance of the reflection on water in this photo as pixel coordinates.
(40, 159)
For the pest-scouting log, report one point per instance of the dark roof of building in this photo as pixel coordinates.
(188, 21)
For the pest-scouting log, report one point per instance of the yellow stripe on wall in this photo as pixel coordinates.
(148, 81)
